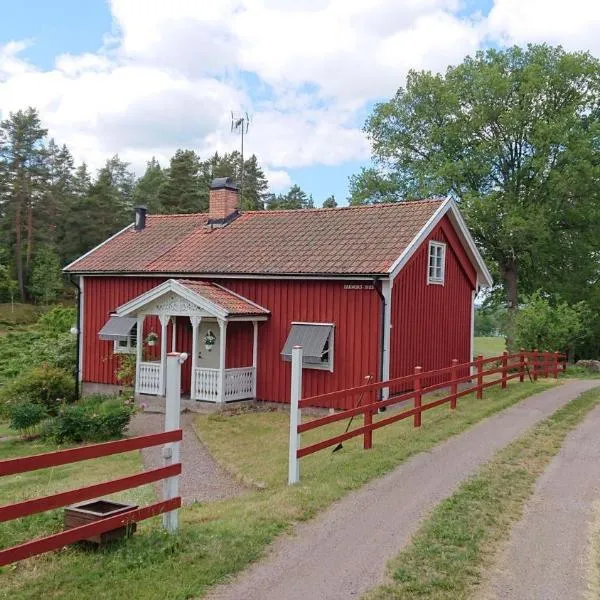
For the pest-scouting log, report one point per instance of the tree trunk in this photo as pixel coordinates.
(18, 249)
(509, 274)
(29, 235)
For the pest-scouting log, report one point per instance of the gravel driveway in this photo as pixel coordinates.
(202, 479)
(546, 556)
(343, 552)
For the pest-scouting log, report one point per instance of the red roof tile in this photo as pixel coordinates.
(232, 303)
(351, 240)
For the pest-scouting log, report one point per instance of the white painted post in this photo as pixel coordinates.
(170, 451)
(164, 322)
(173, 334)
(295, 415)
(195, 324)
(139, 354)
(222, 357)
(254, 357)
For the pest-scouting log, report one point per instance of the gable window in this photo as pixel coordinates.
(436, 262)
(317, 341)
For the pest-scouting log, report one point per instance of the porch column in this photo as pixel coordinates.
(139, 355)
(222, 355)
(254, 358)
(173, 334)
(164, 322)
(195, 324)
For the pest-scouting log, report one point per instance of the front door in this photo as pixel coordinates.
(209, 344)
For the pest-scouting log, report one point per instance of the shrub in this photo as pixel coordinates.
(550, 324)
(92, 419)
(46, 385)
(57, 320)
(25, 417)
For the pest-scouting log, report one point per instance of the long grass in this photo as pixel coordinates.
(489, 346)
(221, 538)
(449, 553)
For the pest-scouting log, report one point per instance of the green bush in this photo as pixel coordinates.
(25, 417)
(92, 419)
(550, 324)
(46, 385)
(58, 320)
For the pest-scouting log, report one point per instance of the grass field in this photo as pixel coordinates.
(447, 556)
(489, 346)
(221, 538)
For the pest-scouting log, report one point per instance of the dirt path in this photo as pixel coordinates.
(546, 556)
(202, 479)
(343, 552)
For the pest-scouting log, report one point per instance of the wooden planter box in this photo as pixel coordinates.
(95, 510)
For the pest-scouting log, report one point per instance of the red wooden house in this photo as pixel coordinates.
(371, 290)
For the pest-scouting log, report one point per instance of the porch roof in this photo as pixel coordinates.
(204, 295)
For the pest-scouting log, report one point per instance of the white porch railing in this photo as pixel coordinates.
(239, 384)
(149, 379)
(205, 384)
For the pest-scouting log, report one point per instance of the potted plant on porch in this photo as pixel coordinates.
(209, 340)
(152, 339)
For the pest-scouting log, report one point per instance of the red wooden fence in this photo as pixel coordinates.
(72, 455)
(507, 366)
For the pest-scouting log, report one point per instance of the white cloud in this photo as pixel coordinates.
(278, 180)
(574, 24)
(170, 71)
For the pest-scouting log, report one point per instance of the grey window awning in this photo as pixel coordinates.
(117, 328)
(313, 339)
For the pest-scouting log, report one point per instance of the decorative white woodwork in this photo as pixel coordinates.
(149, 378)
(239, 384)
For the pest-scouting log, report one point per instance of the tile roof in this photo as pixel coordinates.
(230, 302)
(350, 240)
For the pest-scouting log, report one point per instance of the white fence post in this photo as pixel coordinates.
(295, 415)
(172, 421)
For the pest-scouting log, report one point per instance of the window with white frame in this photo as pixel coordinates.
(436, 263)
(317, 341)
(127, 345)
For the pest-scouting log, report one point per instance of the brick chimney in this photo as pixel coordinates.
(223, 199)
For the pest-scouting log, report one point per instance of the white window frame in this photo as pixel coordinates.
(324, 366)
(436, 278)
(130, 346)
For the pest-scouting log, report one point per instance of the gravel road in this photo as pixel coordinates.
(343, 552)
(546, 556)
(202, 479)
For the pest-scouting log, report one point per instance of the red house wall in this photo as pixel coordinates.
(355, 313)
(431, 324)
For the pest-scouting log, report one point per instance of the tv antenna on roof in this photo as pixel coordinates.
(240, 123)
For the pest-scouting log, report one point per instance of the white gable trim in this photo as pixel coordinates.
(137, 304)
(112, 237)
(447, 207)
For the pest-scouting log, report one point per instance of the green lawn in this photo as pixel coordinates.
(489, 346)
(449, 553)
(221, 538)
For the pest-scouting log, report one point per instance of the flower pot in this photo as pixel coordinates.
(209, 347)
(96, 510)
(151, 342)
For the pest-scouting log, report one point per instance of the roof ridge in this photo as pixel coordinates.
(308, 210)
(340, 208)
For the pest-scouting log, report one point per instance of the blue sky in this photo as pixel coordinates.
(143, 77)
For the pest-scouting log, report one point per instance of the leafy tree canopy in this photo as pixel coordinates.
(514, 136)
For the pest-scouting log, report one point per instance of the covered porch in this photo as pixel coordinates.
(194, 317)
